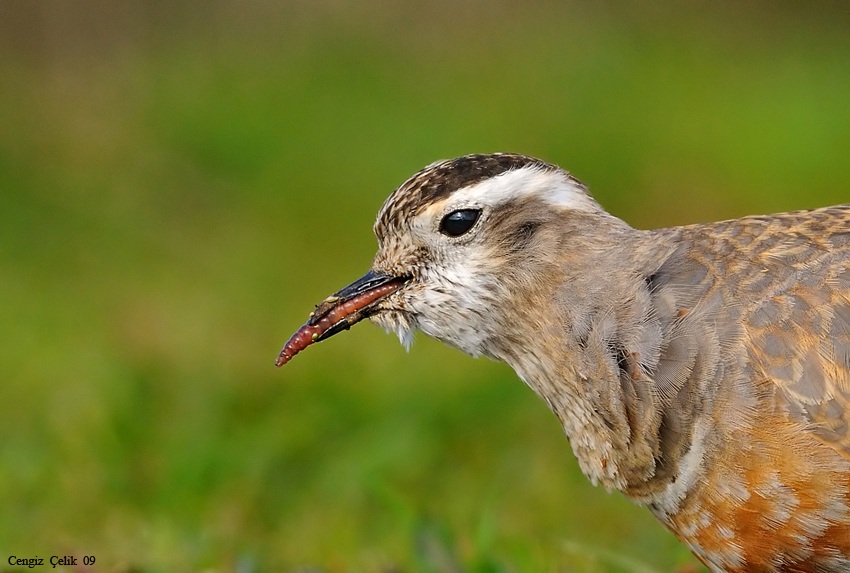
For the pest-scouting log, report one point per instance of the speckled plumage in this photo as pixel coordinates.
(704, 371)
(440, 179)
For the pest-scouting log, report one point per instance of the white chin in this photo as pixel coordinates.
(397, 322)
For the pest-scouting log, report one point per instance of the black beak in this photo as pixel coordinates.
(342, 310)
(353, 303)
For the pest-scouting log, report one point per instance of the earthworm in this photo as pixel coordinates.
(314, 328)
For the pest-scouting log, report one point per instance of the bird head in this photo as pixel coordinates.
(465, 247)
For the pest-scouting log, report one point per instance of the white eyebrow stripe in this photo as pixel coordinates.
(553, 186)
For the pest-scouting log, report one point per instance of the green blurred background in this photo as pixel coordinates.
(182, 181)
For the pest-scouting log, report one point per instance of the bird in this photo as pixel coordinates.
(701, 370)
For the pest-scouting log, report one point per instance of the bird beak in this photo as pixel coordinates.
(341, 311)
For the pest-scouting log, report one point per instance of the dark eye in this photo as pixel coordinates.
(459, 222)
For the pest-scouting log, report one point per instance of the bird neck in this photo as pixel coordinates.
(598, 374)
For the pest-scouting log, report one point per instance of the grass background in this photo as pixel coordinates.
(182, 181)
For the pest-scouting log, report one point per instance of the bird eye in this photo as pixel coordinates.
(459, 222)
